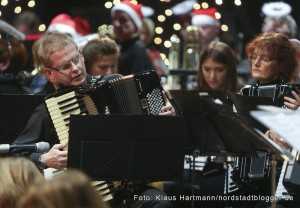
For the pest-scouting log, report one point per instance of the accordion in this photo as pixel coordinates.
(132, 94)
(251, 172)
(275, 92)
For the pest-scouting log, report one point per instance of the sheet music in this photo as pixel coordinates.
(284, 122)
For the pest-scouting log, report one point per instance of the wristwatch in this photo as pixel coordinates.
(41, 163)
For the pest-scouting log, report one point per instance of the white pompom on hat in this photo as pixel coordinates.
(133, 10)
(205, 17)
(63, 23)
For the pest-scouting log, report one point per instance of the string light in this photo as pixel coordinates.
(197, 6)
(159, 30)
(108, 5)
(161, 18)
(31, 3)
(238, 2)
(42, 27)
(18, 9)
(4, 2)
(168, 12)
(219, 2)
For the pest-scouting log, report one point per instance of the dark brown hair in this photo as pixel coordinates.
(221, 53)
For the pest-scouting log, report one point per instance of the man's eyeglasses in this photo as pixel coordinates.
(69, 65)
(262, 59)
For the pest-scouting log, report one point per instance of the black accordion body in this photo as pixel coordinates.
(132, 94)
(254, 173)
(276, 91)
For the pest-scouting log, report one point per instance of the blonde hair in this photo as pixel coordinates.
(17, 174)
(69, 189)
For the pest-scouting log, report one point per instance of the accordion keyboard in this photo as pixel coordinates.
(60, 108)
(230, 186)
(104, 188)
(281, 190)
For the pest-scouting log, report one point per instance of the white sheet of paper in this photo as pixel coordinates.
(285, 123)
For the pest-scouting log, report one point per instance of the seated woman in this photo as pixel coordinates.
(272, 59)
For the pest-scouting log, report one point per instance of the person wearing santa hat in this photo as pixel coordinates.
(208, 24)
(64, 23)
(127, 22)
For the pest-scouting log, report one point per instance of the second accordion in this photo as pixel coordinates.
(276, 92)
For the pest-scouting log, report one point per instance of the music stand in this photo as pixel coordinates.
(214, 128)
(15, 110)
(245, 104)
(128, 147)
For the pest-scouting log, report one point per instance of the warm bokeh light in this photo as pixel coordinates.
(176, 26)
(224, 28)
(219, 2)
(157, 41)
(115, 2)
(108, 5)
(218, 15)
(159, 30)
(31, 3)
(197, 6)
(18, 9)
(238, 2)
(168, 12)
(163, 56)
(4, 2)
(167, 44)
(204, 5)
(161, 18)
(42, 27)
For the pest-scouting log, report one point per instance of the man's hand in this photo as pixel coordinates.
(56, 157)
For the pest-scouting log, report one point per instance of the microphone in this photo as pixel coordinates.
(35, 147)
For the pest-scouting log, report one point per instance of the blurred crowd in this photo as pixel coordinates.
(202, 57)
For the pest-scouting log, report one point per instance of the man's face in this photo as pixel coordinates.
(124, 27)
(67, 68)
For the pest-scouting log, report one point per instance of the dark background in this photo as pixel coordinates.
(245, 20)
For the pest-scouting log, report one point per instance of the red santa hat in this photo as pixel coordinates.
(205, 17)
(63, 23)
(133, 10)
(82, 25)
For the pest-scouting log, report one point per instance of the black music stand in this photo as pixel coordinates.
(15, 111)
(245, 104)
(128, 147)
(214, 128)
